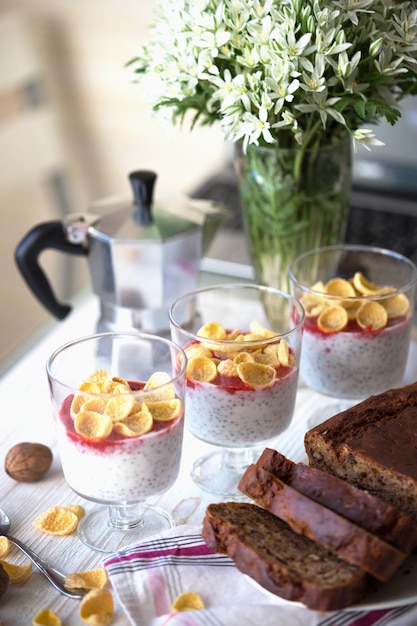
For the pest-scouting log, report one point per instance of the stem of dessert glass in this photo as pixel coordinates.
(124, 516)
(237, 459)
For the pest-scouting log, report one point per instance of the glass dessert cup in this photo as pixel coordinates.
(241, 387)
(357, 330)
(118, 406)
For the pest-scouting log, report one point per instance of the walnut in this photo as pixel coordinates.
(4, 581)
(28, 462)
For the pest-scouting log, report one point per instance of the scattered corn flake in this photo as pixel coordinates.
(134, 425)
(258, 329)
(256, 374)
(332, 319)
(188, 601)
(17, 574)
(396, 305)
(4, 546)
(232, 334)
(96, 607)
(227, 368)
(89, 579)
(57, 520)
(372, 315)
(92, 425)
(46, 617)
(212, 330)
(202, 369)
(164, 410)
(77, 509)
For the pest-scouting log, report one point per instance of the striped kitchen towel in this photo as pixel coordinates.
(147, 578)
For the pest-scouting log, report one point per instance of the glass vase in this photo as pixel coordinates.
(292, 200)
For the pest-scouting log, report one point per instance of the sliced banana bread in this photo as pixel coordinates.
(357, 505)
(307, 517)
(373, 445)
(283, 562)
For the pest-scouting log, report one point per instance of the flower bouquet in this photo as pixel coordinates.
(288, 78)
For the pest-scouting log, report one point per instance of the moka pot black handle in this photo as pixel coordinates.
(48, 235)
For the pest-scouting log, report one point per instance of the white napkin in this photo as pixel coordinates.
(148, 577)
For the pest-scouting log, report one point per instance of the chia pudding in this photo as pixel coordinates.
(355, 363)
(231, 414)
(120, 469)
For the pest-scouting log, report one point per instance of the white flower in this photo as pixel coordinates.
(366, 137)
(323, 106)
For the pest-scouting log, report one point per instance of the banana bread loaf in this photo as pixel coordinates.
(373, 446)
(359, 506)
(289, 565)
(309, 518)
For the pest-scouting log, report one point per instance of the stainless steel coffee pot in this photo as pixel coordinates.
(140, 257)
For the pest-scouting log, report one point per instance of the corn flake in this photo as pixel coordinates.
(189, 601)
(396, 305)
(164, 410)
(160, 379)
(57, 520)
(102, 378)
(134, 425)
(284, 353)
(17, 574)
(340, 287)
(212, 330)
(364, 286)
(260, 330)
(46, 617)
(372, 315)
(77, 509)
(201, 369)
(89, 579)
(227, 368)
(96, 607)
(92, 425)
(333, 319)
(4, 546)
(256, 374)
(197, 350)
(120, 404)
(244, 356)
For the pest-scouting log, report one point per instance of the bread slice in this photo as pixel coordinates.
(358, 506)
(306, 517)
(289, 565)
(373, 446)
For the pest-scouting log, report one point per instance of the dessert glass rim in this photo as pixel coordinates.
(232, 342)
(377, 251)
(174, 377)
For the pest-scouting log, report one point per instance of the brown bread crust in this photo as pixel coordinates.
(373, 446)
(306, 517)
(289, 565)
(359, 506)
